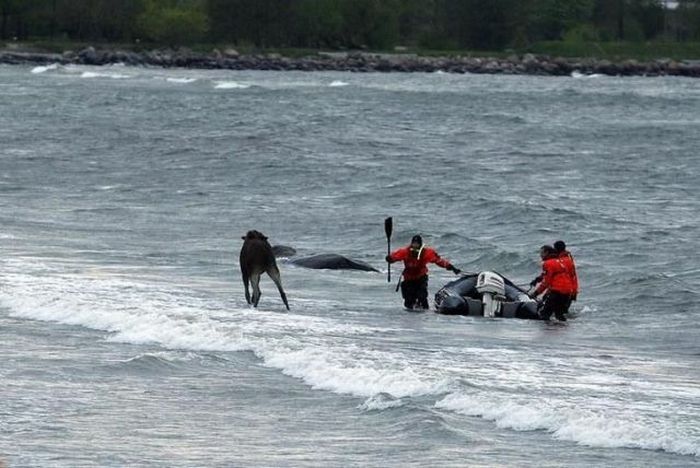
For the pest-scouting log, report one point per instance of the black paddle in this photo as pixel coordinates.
(388, 227)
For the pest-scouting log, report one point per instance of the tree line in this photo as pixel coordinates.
(350, 24)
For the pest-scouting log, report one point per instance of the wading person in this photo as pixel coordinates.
(416, 256)
(557, 285)
(570, 264)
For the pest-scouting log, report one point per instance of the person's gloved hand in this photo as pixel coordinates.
(533, 283)
(388, 258)
(455, 270)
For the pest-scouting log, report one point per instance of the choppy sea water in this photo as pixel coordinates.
(126, 340)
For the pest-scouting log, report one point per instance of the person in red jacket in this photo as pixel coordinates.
(565, 255)
(416, 256)
(557, 285)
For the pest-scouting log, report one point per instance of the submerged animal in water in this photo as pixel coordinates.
(257, 258)
(283, 251)
(332, 262)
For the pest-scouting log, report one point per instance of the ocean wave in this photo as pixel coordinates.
(354, 373)
(338, 83)
(498, 117)
(323, 352)
(181, 80)
(44, 68)
(139, 313)
(114, 76)
(381, 402)
(602, 428)
(154, 362)
(135, 308)
(578, 74)
(231, 85)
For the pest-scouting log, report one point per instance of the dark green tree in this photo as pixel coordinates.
(370, 23)
(175, 23)
(264, 23)
(319, 24)
(481, 25)
(550, 19)
(685, 21)
(378, 24)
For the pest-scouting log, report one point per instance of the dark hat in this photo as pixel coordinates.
(417, 239)
(559, 246)
(547, 250)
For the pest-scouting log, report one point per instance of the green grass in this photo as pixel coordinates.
(617, 51)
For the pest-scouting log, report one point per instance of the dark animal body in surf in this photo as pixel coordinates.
(331, 262)
(257, 258)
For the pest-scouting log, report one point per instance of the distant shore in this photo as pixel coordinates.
(229, 59)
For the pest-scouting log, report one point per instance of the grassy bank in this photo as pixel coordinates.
(617, 51)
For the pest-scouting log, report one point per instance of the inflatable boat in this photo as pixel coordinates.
(486, 294)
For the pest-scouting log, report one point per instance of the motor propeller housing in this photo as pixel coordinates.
(493, 290)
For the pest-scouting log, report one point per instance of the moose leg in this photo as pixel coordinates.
(255, 282)
(275, 275)
(244, 273)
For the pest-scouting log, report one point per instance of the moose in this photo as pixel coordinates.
(257, 258)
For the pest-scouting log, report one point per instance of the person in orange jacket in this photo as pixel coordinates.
(557, 285)
(416, 256)
(565, 255)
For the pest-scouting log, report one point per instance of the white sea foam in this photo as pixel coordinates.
(381, 402)
(601, 428)
(338, 84)
(44, 68)
(231, 85)
(168, 356)
(323, 352)
(181, 80)
(353, 372)
(142, 315)
(137, 312)
(114, 76)
(578, 74)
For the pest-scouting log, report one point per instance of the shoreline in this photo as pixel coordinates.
(361, 62)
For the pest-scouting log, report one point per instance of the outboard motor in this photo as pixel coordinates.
(492, 289)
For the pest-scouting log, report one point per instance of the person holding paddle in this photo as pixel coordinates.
(416, 256)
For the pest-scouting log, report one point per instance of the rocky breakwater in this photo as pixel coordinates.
(527, 64)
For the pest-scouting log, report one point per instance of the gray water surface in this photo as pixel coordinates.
(126, 340)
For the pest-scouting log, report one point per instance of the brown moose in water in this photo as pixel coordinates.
(257, 258)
